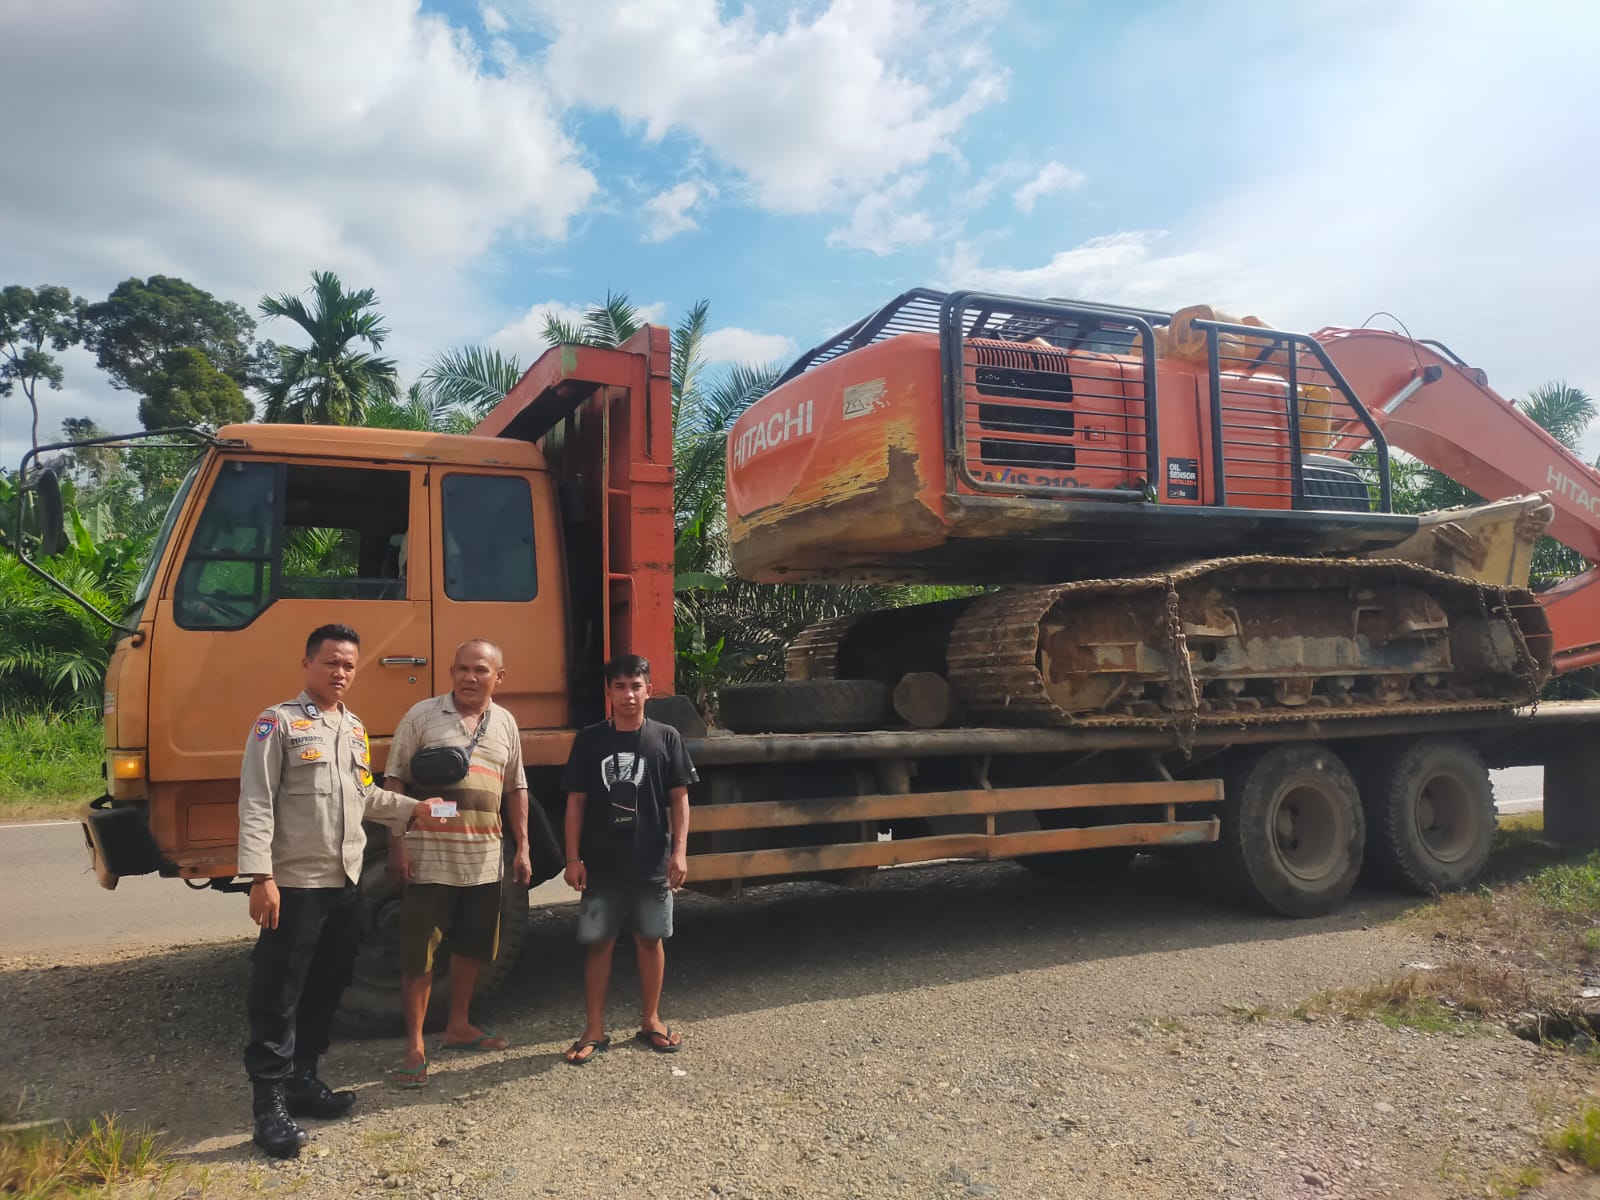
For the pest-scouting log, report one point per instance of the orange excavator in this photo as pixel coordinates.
(1190, 514)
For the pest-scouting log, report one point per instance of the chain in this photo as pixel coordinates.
(1525, 667)
(1185, 692)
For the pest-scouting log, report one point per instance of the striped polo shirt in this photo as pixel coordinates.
(462, 850)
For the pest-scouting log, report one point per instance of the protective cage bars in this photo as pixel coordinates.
(1024, 418)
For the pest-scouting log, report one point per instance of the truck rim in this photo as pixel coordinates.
(1444, 818)
(1308, 832)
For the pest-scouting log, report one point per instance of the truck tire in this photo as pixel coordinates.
(805, 706)
(1430, 814)
(1292, 831)
(371, 1004)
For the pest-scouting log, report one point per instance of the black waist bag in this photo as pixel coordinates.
(442, 765)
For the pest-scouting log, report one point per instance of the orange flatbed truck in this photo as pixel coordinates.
(550, 529)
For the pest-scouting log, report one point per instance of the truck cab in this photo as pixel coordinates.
(548, 530)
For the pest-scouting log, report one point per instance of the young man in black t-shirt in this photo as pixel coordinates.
(627, 831)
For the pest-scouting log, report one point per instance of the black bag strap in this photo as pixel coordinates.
(483, 723)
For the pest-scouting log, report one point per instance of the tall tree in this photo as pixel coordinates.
(469, 379)
(36, 324)
(1561, 410)
(136, 330)
(329, 382)
(185, 389)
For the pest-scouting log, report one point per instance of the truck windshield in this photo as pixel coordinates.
(158, 547)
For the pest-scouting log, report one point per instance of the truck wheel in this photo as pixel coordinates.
(371, 1004)
(805, 706)
(1292, 830)
(1430, 814)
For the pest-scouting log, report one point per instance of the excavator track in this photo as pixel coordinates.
(1236, 641)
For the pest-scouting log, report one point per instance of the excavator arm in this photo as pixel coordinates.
(1442, 412)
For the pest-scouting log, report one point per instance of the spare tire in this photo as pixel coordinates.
(805, 706)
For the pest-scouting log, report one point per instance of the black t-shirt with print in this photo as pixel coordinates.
(626, 777)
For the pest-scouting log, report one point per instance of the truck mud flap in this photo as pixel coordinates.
(119, 841)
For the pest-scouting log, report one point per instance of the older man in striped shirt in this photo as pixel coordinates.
(452, 863)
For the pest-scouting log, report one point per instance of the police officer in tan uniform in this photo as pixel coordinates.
(304, 789)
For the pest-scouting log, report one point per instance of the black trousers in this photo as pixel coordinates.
(299, 970)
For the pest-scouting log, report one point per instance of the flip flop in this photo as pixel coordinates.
(411, 1077)
(487, 1041)
(577, 1048)
(660, 1040)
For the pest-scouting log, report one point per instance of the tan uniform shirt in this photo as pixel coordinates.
(463, 850)
(305, 786)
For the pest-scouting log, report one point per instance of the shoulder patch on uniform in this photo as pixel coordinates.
(265, 724)
(310, 755)
(301, 724)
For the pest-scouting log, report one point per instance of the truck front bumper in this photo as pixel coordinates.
(119, 840)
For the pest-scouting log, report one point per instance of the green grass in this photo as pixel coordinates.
(49, 763)
(1571, 890)
(1514, 1183)
(42, 1162)
(1580, 1140)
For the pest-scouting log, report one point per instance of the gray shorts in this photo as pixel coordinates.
(602, 909)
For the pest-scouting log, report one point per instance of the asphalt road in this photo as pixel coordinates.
(49, 899)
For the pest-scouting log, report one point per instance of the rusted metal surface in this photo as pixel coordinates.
(808, 860)
(1254, 632)
(714, 818)
(1519, 736)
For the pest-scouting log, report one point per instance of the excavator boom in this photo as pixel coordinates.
(1432, 405)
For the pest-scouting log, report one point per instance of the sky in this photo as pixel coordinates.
(797, 165)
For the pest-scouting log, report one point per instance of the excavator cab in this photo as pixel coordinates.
(975, 438)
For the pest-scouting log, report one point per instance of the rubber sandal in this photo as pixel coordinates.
(487, 1042)
(411, 1077)
(578, 1047)
(660, 1040)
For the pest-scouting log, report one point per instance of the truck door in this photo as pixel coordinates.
(280, 547)
(498, 571)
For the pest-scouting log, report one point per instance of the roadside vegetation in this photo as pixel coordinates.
(1515, 953)
(49, 763)
(45, 1160)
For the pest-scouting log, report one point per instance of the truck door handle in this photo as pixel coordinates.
(403, 660)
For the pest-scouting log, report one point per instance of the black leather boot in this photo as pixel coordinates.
(275, 1132)
(307, 1096)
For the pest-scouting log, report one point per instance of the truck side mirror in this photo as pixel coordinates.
(52, 515)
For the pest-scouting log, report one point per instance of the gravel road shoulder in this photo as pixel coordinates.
(948, 1032)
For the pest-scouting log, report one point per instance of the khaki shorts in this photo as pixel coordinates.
(470, 916)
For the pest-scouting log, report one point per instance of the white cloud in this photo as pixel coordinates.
(1052, 177)
(887, 220)
(494, 21)
(734, 345)
(669, 210)
(820, 109)
(1443, 186)
(1120, 268)
(362, 137)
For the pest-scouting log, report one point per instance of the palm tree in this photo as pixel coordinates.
(328, 382)
(469, 380)
(419, 410)
(1561, 410)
